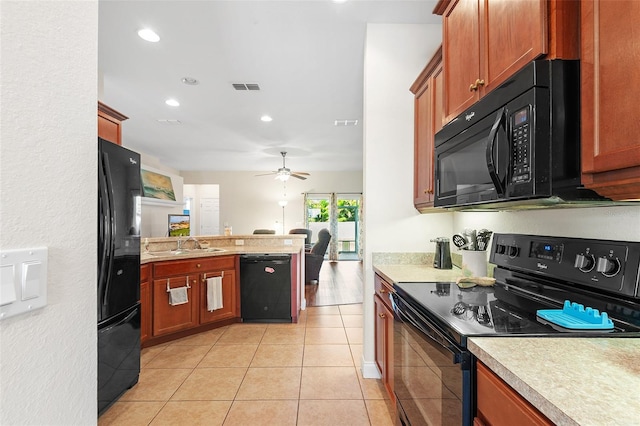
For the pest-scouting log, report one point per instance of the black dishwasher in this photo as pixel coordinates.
(265, 287)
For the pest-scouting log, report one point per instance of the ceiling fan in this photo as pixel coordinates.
(283, 173)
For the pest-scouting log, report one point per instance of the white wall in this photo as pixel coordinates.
(48, 164)
(394, 56)
(155, 213)
(248, 201)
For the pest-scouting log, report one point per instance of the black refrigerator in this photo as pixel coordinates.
(119, 192)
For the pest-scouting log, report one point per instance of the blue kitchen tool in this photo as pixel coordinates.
(574, 316)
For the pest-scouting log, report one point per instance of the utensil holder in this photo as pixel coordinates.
(474, 263)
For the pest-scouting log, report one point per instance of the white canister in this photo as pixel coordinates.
(474, 263)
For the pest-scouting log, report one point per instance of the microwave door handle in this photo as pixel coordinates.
(491, 164)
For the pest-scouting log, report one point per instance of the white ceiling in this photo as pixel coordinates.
(306, 55)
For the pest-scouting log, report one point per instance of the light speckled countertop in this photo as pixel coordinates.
(573, 381)
(149, 257)
(250, 244)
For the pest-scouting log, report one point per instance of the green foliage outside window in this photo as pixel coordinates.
(318, 210)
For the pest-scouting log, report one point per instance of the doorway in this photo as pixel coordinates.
(339, 213)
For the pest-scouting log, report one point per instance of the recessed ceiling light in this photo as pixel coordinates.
(149, 35)
(339, 1)
(190, 81)
(266, 118)
(172, 102)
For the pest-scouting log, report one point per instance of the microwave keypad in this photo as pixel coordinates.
(521, 141)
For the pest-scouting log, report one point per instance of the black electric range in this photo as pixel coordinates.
(433, 320)
(533, 273)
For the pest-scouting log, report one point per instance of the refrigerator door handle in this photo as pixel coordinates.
(110, 231)
(104, 229)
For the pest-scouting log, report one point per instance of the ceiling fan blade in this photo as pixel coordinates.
(267, 174)
(302, 173)
(298, 176)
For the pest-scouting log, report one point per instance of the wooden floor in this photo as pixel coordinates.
(340, 284)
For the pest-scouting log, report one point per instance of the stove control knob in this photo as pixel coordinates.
(585, 262)
(514, 251)
(607, 266)
(501, 248)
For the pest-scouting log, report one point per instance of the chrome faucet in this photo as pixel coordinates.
(196, 243)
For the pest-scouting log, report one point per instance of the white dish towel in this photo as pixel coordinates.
(214, 293)
(178, 296)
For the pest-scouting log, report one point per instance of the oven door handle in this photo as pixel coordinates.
(491, 163)
(431, 333)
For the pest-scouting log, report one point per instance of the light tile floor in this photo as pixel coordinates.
(259, 374)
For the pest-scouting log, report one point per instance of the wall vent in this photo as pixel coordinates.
(246, 86)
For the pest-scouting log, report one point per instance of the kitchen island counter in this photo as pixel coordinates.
(159, 248)
(572, 381)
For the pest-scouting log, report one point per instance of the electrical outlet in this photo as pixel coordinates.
(288, 242)
(239, 242)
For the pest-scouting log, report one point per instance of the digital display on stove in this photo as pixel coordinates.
(544, 250)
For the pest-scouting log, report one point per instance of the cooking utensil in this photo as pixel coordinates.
(471, 236)
(459, 241)
(483, 238)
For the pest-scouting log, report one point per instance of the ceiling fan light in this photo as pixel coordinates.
(282, 177)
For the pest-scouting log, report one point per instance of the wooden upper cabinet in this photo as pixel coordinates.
(487, 41)
(110, 123)
(609, 78)
(428, 90)
(461, 56)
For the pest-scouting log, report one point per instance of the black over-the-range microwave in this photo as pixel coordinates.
(518, 145)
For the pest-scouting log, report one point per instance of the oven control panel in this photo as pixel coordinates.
(608, 265)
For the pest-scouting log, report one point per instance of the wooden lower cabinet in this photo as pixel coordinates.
(169, 318)
(192, 273)
(383, 327)
(499, 405)
(229, 297)
(145, 303)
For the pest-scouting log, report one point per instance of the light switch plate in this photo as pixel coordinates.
(23, 280)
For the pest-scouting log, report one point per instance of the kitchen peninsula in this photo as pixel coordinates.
(169, 263)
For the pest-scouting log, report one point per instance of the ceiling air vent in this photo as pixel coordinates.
(169, 121)
(245, 86)
(340, 123)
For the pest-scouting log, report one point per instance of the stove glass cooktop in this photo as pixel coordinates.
(480, 311)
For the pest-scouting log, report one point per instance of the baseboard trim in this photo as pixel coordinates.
(370, 370)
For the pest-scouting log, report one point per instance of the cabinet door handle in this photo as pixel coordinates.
(382, 290)
(381, 315)
(429, 191)
(473, 87)
(197, 265)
